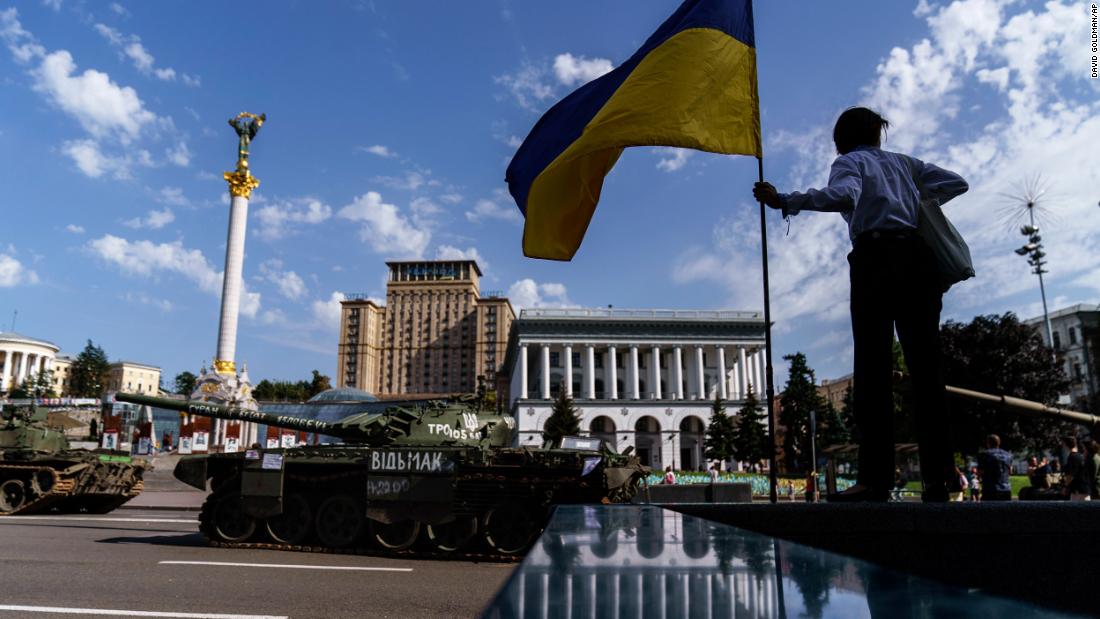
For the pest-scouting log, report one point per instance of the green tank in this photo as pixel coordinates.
(438, 477)
(39, 472)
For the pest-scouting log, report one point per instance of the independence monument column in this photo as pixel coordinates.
(225, 385)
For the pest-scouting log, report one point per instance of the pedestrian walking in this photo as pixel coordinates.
(895, 283)
(1074, 476)
(995, 465)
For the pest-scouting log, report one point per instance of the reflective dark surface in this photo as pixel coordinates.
(644, 561)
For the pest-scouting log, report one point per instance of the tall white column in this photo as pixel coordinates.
(738, 390)
(699, 380)
(523, 371)
(634, 395)
(545, 372)
(590, 372)
(612, 372)
(723, 379)
(678, 372)
(759, 370)
(744, 368)
(22, 369)
(231, 285)
(568, 381)
(5, 368)
(656, 372)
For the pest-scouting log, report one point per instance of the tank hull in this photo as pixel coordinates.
(70, 481)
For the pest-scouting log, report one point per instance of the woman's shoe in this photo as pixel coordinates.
(859, 494)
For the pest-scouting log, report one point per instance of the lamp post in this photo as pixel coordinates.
(1033, 249)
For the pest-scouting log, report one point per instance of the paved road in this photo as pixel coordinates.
(154, 564)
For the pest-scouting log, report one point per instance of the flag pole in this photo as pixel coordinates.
(768, 381)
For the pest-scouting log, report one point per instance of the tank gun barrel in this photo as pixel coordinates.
(1026, 407)
(219, 411)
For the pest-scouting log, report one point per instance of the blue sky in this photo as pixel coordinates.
(389, 128)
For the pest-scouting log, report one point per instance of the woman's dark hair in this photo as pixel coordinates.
(858, 126)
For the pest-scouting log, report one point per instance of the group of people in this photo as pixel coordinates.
(1079, 475)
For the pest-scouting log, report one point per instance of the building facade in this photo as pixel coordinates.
(641, 378)
(435, 334)
(22, 357)
(1076, 332)
(132, 377)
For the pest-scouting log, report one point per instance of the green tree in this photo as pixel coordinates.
(319, 383)
(185, 383)
(88, 372)
(37, 385)
(831, 427)
(565, 419)
(718, 444)
(750, 437)
(1002, 356)
(800, 396)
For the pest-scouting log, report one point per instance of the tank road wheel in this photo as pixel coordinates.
(509, 528)
(453, 535)
(42, 481)
(339, 521)
(294, 524)
(13, 494)
(231, 524)
(396, 535)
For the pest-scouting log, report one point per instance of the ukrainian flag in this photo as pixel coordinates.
(692, 85)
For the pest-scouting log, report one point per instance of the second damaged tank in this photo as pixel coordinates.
(40, 472)
(434, 478)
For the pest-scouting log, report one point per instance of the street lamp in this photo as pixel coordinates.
(1033, 249)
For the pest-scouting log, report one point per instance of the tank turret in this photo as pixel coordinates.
(435, 423)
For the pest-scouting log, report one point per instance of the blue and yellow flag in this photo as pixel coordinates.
(692, 85)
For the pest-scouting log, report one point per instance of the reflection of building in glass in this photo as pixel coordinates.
(1076, 332)
(641, 378)
(435, 334)
(641, 562)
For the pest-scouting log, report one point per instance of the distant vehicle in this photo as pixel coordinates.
(442, 474)
(39, 472)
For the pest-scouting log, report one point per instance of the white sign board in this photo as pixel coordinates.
(231, 444)
(199, 441)
(185, 445)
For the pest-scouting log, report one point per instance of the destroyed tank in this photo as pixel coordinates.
(39, 472)
(431, 478)
(1042, 488)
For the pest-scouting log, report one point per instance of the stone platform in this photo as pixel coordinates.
(1042, 552)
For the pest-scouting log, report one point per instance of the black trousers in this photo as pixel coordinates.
(895, 284)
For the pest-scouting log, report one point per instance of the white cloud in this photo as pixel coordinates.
(275, 220)
(101, 106)
(163, 305)
(411, 181)
(147, 259)
(13, 273)
(527, 293)
(450, 198)
(131, 47)
(289, 283)
(326, 312)
(528, 86)
(75, 229)
(448, 252)
(154, 220)
(179, 154)
(21, 44)
(53, 4)
(672, 159)
(378, 149)
(573, 70)
(489, 209)
(119, 9)
(173, 196)
(90, 159)
(385, 229)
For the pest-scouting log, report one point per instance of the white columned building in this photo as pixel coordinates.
(22, 357)
(647, 378)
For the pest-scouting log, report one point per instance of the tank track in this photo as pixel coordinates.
(418, 551)
(75, 488)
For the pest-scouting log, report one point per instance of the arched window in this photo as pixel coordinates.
(602, 425)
